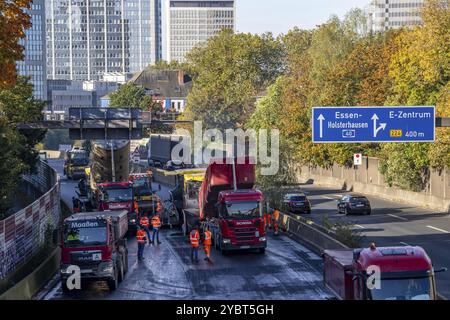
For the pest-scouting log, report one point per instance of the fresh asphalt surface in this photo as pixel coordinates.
(392, 224)
(287, 271)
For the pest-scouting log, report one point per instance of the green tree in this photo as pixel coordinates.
(131, 96)
(17, 148)
(56, 137)
(172, 65)
(229, 71)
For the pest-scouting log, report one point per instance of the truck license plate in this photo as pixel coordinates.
(86, 270)
(245, 247)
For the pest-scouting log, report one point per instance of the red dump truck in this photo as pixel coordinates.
(404, 273)
(95, 242)
(230, 207)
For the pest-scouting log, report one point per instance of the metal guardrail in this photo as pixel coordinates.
(313, 236)
(24, 233)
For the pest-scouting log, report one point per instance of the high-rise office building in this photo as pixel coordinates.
(34, 62)
(190, 22)
(89, 38)
(392, 14)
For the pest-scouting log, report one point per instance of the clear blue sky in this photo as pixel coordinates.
(278, 16)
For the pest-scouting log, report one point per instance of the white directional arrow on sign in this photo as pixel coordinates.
(376, 129)
(321, 119)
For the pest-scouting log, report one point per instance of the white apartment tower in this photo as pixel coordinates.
(393, 14)
(190, 22)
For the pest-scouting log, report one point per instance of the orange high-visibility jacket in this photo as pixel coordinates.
(136, 206)
(276, 215)
(195, 238)
(144, 222)
(208, 236)
(140, 236)
(156, 222)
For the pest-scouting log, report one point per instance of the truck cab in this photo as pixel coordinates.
(95, 243)
(117, 196)
(405, 273)
(240, 222)
(75, 163)
(143, 194)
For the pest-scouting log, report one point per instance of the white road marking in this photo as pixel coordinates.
(397, 217)
(437, 229)
(405, 244)
(359, 226)
(330, 198)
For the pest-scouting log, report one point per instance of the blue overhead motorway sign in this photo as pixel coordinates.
(373, 124)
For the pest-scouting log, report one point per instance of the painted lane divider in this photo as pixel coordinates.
(397, 217)
(437, 229)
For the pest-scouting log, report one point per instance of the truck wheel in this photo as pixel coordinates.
(216, 243)
(262, 250)
(224, 251)
(64, 287)
(113, 283)
(125, 262)
(121, 272)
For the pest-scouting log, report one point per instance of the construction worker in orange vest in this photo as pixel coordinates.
(207, 242)
(194, 237)
(276, 217)
(158, 207)
(156, 223)
(144, 222)
(141, 240)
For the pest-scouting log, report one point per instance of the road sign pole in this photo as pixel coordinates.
(443, 122)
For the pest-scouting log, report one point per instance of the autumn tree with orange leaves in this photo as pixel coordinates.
(13, 23)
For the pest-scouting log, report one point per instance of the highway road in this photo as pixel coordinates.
(287, 271)
(392, 224)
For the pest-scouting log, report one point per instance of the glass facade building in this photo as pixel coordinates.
(34, 63)
(393, 14)
(89, 38)
(190, 22)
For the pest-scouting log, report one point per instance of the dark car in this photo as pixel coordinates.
(296, 203)
(354, 204)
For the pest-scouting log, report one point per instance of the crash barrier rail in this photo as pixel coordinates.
(27, 288)
(317, 239)
(23, 234)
